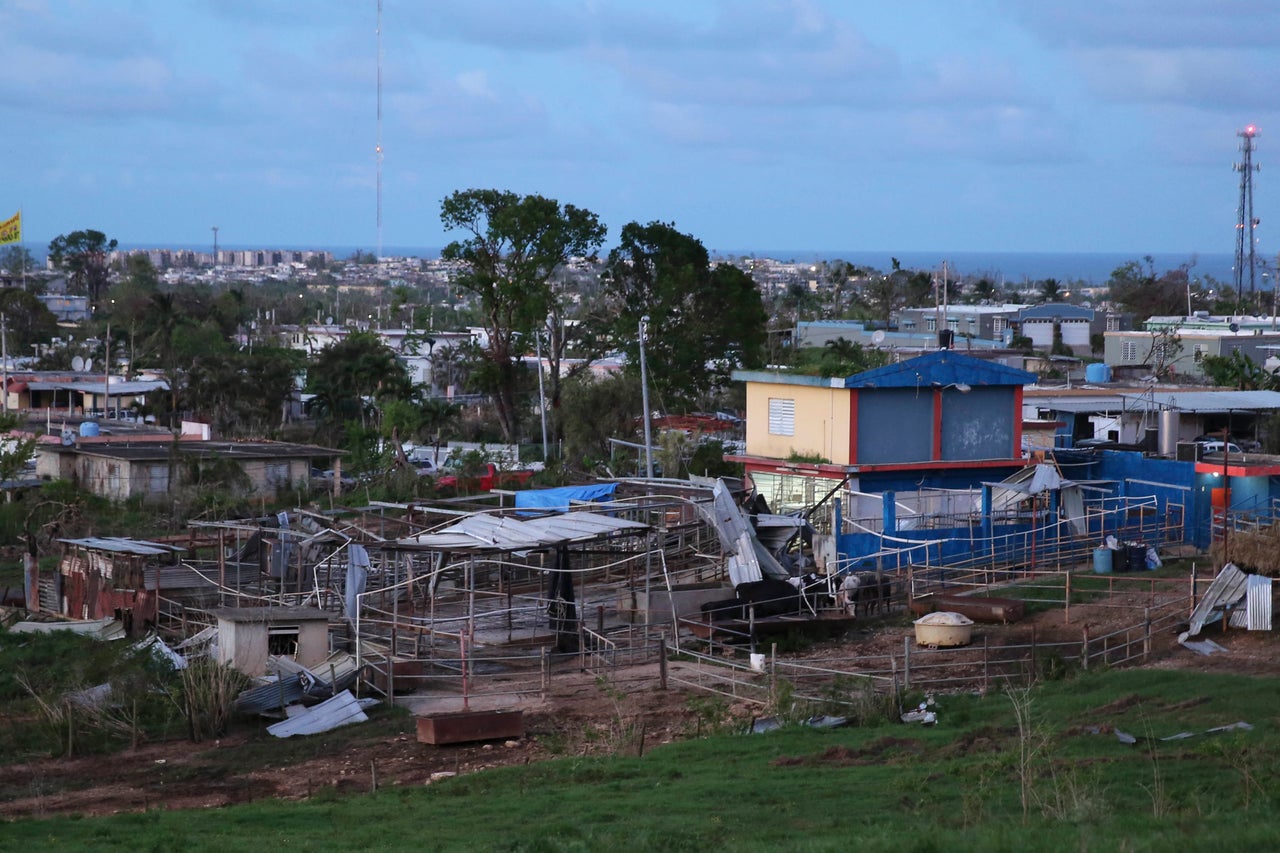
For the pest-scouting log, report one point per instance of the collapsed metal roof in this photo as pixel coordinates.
(494, 533)
(119, 545)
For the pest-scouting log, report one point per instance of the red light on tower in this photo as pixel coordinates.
(1251, 130)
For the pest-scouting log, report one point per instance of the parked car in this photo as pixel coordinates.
(1216, 447)
(324, 480)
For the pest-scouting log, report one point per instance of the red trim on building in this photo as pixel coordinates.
(853, 425)
(937, 424)
(1238, 469)
(1017, 420)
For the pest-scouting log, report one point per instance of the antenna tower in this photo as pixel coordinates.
(1245, 221)
(378, 149)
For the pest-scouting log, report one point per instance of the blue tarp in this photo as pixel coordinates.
(557, 500)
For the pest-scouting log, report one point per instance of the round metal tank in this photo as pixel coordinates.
(1168, 432)
(1098, 372)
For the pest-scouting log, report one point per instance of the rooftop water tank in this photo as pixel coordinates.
(1098, 372)
(88, 429)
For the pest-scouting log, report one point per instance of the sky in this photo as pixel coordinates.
(961, 125)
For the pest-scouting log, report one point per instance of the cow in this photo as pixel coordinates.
(865, 593)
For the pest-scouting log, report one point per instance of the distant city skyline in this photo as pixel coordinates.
(988, 126)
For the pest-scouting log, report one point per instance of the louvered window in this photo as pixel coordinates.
(782, 416)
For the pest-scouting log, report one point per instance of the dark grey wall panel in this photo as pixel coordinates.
(978, 425)
(895, 425)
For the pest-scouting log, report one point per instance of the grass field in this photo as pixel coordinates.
(1038, 770)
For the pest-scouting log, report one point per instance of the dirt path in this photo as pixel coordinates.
(581, 715)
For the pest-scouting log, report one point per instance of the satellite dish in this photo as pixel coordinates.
(88, 364)
(1234, 327)
(877, 337)
(77, 364)
(328, 321)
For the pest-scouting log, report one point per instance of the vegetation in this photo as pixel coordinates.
(1026, 770)
(516, 244)
(83, 256)
(700, 322)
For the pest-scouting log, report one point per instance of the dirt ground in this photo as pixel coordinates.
(579, 716)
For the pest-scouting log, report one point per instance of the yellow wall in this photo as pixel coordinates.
(821, 422)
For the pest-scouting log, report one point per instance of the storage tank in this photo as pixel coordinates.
(88, 429)
(1169, 422)
(1098, 372)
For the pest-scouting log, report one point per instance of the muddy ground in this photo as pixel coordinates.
(580, 715)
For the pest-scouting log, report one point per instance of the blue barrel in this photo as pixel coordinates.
(89, 428)
(1097, 372)
(1102, 561)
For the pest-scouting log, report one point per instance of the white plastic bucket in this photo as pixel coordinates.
(757, 662)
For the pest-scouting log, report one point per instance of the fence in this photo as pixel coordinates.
(718, 666)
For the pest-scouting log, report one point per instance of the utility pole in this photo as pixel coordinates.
(644, 397)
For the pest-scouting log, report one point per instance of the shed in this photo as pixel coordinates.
(247, 635)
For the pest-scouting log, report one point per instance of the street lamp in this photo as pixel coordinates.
(644, 399)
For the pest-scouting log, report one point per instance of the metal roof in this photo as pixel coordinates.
(118, 545)
(494, 533)
(1208, 402)
(1076, 405)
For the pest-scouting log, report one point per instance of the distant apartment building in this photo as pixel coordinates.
(984, 322)
(1180, 344)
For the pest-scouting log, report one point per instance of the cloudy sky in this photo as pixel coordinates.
(965, 125)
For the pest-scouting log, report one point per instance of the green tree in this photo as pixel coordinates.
(1144, 294)
(15, 262)
(1237, 371)
(15, 452)
(596, 410)
(516, 245)
(27, 319)
(702, 322)
(351, 377)
(82, 255)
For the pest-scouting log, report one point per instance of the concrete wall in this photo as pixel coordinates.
(821, 421)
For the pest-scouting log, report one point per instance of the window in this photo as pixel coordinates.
(277, 474)
(931, 323)
(782, 416)
(1129, 351)
(1198, 351)
(997, 325)
(282, 640)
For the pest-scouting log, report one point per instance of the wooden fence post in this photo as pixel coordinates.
(662, 663)
(546, 671)
(906, 663)
(1084, 650)
(1146, 634)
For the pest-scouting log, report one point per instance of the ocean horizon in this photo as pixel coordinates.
(1013, 268)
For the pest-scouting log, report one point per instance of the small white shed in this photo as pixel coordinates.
(247, 635)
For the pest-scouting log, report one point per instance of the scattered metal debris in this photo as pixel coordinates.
(341, 710)
(1126, 738)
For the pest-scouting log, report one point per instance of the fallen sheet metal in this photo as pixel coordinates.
(1226, 590)
(1126, 738)
(100, 629)
(342, 710)
(1205, 647)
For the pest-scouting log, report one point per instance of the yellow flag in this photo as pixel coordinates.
(11, 229)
